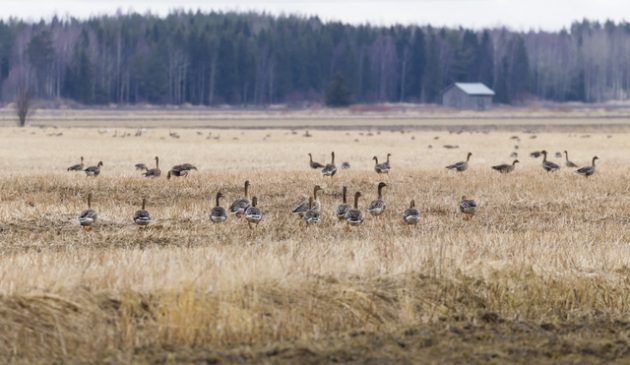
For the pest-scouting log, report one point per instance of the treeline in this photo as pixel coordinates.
(254, 59)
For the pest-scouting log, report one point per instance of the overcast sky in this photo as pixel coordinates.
(517, 14)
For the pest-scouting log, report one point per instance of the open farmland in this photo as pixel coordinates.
(541, 274)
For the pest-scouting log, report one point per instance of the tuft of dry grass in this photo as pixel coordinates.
(543, 249)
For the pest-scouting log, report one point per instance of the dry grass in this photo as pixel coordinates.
(549, 249)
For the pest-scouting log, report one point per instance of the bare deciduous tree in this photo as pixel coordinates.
(22, 105)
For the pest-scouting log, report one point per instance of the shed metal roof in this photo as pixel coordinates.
(476, 88)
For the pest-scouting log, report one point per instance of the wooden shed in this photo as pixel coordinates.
(475, 96)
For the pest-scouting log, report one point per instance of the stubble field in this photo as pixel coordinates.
(541, 274)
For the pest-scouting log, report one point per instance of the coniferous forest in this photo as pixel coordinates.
(257, 59)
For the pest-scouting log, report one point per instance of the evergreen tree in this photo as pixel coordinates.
(337, 94)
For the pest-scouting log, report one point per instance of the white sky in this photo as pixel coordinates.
(517, 14)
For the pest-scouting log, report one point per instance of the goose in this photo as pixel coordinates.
(343, 208)
(380, 168)
(180, 170)
(411, 214)
(312, 215)
(345, 165)
(240, 205)
(88, 216)
(253, 214)
(354, 217)
(330, 169)
(141, 167)
(460, 166)
(588, 170)
(218, 214)
(548, 165)
(506, 168)
(377, 206)
(567, 162)
(302, 206)
(156, 172)
(313, 164)
(535, 154)
(94, 170)
(142, 216)
(387, 161)
(467, 207)
(77, 167)
(514, 155)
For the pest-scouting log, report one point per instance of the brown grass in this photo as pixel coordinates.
(544, 249)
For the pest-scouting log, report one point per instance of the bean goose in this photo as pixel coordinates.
(380, 168)
(142, 216)
(88, 217)
(302, 206)
(156, 172)
(77, 167)
(330, 169)
(354, 217)
(460, 166)
(387, 161)
(218, 214)
(240, 205)
(548, 165)
(312, 215)
(411, 214)
(141, 167)
(377, 206)
(567, 162)
(343, 208)
(180, 170)
(588, 170)
(253, 214)
(506, 168)
(94, 170)
(313, 164)
(467, 207)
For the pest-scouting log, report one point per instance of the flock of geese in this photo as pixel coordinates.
(309, 209)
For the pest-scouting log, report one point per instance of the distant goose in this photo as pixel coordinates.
(411, 214)
(313, 164)
(343, 208)
(567, 162)
(141, 167)
(535, 154)
(380, 168)
(345, 165)
(94, 170)
(88, 216)
(253, 214)
(558, 155)
(77, 167)
(377, 206)
(460, 166)
(506, 168)
(467, 207)
(142, 216)
(156, 172)
(302, 206)
(240, 205)
(548, 165)
(218, 214)
(588, 170)
(330, 169)
(312, 216)
(180, 170)
(514, 155)
(354, 217)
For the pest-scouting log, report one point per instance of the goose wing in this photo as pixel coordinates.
(300, 207)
